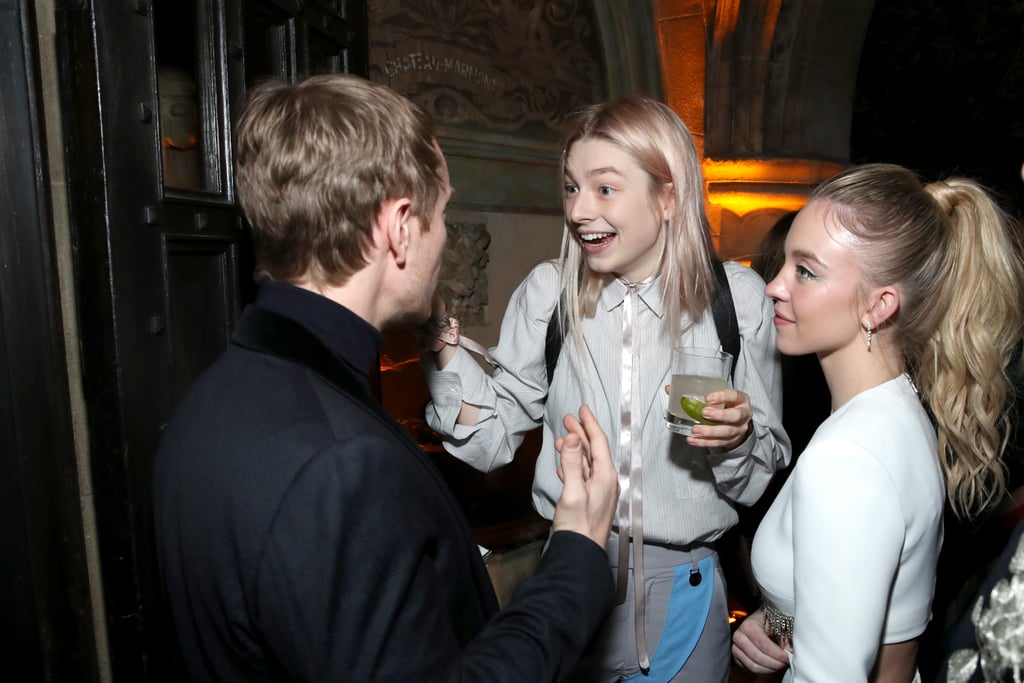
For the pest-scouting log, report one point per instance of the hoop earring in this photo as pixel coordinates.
(869, 337)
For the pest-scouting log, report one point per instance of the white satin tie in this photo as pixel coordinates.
(630, 509)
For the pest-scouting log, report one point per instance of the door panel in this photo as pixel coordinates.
(202, 286)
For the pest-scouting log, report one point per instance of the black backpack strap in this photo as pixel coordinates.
(553, 339)
(724, 312)
(722, 309)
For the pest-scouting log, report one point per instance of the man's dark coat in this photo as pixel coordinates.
(303, 536)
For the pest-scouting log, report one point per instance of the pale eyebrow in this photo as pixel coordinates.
(808, 256)
(604, 170)
(596, 172)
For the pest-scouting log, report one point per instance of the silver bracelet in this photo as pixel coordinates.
(777, 624)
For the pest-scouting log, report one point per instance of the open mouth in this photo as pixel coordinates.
(596, 239)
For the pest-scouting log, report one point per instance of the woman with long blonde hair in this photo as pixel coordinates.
(636, 277)
(911, 296)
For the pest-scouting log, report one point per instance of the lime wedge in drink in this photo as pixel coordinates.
(693, 407)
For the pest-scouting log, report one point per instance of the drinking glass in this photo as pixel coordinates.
(696, 372)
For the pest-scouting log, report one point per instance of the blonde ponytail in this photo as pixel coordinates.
(964, 372)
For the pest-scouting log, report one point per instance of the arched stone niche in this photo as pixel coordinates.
(767, 90)
(781, 76)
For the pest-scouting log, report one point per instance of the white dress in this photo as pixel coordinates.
(849, 546)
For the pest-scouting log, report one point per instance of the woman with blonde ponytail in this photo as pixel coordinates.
(911, 297)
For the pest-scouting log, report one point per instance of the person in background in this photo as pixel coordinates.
(301, 534)
(911, 297)
(771, 253)
(636, 277)
(986, 643)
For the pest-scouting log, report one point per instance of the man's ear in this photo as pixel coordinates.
(394, 222)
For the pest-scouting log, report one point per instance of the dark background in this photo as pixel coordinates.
(941, 90)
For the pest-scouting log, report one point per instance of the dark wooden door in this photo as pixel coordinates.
(46, 632)
(163, 259)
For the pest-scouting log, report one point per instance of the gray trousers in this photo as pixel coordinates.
(613, 656)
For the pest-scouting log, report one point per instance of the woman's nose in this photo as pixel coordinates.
(581, 210)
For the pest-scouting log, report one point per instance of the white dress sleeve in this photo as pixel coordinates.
(511, 400)
(848, 532)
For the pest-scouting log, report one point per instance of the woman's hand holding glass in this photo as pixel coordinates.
(730, 408)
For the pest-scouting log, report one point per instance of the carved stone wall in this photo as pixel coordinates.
(512, 65)
(501, 76)
(463, 280)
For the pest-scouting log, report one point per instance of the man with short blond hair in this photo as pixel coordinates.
(301, 534)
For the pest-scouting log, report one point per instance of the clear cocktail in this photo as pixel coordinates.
(695, 374)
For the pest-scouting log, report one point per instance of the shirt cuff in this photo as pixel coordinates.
(719, 456)
(462, 380)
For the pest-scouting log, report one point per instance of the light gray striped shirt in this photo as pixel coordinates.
(688, 492)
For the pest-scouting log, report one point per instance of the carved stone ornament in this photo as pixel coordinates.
(463, 279)
(502, 65)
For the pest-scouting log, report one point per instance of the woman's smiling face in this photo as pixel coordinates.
(608, 206)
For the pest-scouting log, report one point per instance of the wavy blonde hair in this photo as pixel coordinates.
(956, 258)
(660, 143)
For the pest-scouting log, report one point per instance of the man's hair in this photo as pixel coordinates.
(315, 162)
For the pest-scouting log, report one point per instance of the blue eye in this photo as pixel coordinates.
(803, 274)
(571, 189)
(606, 191)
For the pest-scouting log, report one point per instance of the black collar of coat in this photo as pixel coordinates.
(268, 332)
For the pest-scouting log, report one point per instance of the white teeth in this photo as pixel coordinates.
(594, 236)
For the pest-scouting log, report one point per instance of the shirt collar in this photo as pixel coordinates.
(349, 337)
(614, 291)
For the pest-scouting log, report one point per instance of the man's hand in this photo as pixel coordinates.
(590, 488)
